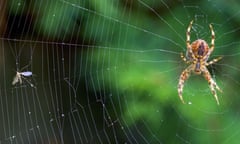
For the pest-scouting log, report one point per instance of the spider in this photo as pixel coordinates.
(197, 56)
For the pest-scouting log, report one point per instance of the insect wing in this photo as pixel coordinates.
(26, 73)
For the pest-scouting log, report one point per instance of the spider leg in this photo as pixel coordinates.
(213, 61)
(212, 84)
(189, 48)
(184, 59)
(212, 44)
(183, 77)
(188, 34)
(213, 38)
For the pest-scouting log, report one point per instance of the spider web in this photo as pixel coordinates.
(107, 72)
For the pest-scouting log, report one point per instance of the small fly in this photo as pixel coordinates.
(20, 76)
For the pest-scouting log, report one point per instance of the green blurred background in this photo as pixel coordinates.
(129, 54)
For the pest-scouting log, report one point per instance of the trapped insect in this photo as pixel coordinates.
(20, 76)
(197, 56)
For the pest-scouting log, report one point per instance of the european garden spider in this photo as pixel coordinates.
(197, 56)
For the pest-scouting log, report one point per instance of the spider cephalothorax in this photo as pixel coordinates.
(197, 55)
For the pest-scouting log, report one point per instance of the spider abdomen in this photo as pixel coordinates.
(199, 48)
